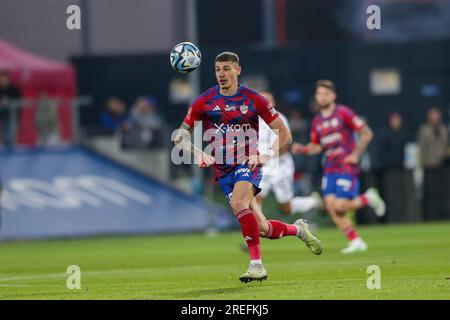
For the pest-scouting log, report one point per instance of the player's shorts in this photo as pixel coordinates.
(240, 173)
(344, 186)
(279, 178)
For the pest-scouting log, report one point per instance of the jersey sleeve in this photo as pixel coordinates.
(195, 113)
(351, 119)
(314, 134)
(265, 110)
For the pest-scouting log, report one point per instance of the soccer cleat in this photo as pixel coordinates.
(255, 272)
(376, 202)
(311, 241)
(356, 245)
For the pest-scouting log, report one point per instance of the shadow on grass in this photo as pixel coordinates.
(205, 292)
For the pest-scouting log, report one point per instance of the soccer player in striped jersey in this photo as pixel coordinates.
(229, 115)
(333, 132)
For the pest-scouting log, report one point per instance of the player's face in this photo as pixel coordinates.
(227, 74)
(325, 97)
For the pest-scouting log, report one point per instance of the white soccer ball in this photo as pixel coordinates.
(185, 57)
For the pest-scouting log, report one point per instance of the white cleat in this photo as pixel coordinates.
(305, 234)
(356, 245)
(255, 272)
(376, 202)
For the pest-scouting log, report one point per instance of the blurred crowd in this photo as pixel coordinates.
(140, 127)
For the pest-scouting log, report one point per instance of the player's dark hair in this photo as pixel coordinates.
(227, 56)
(326, 84)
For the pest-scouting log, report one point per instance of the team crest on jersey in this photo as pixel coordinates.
(243, 108)
(230, 108)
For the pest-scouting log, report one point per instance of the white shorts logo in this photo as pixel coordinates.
(345, 184)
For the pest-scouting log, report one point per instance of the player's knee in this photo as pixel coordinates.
(238, 205)
(331, 209)
(341, 207)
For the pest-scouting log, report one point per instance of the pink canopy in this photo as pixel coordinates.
(35, 75)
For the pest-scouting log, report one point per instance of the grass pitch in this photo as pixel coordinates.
(414, 262)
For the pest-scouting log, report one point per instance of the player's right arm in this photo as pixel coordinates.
(309, 149)
(183, 136)
(312, 148)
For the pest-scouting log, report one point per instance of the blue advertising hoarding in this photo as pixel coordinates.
(70, 192)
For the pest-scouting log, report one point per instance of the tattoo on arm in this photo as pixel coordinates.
(183, 139)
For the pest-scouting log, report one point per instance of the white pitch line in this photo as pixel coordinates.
(15, 285)
(157, 270)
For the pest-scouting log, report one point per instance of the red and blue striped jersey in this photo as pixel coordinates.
(228, 118)
(336, 135)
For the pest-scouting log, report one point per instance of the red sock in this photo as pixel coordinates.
(278, 229)
(364, 200)
(351, 233)
(250, 232)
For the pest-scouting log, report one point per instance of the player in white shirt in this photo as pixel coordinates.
(278, 174)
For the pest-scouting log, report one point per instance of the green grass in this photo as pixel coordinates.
(414, 262)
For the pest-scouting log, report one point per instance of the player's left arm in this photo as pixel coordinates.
(365, 137)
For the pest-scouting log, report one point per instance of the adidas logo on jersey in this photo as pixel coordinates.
(216, 108)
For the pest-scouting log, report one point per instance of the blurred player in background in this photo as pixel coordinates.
(229, 112)
(333, 133)
(278, 172)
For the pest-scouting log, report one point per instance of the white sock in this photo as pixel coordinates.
(301, 233)
(303, 204)
(258, 261)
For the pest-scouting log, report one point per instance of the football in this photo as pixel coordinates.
(185, 57)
